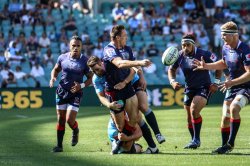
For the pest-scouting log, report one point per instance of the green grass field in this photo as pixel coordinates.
(28, 136)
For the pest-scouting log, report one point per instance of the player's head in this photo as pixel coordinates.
(75, 46)
(229, 33)
(118, 35)
(96, 65)
(188, 44)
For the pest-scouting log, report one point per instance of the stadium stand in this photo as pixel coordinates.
(23, 22)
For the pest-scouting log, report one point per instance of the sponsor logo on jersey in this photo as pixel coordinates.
(248, 57)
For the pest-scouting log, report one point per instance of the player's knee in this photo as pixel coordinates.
(225, 112)
(239, 101)
(143, 108)
(70, 122)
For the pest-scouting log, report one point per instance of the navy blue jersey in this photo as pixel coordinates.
(73, 70)
(199, 78)
(235, 60)
(114, 75)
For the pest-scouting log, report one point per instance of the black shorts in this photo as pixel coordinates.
(123, 94)
(136, 86)
(190, 93)
(233, 92)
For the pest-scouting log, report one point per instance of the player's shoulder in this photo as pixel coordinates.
(203, 52)
(244, 48)
(64, 56)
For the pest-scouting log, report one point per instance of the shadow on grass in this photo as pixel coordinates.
(21, 149)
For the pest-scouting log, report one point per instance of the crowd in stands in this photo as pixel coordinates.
(34, 33)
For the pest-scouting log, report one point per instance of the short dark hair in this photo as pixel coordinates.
(189, 36)
(116, 31)
(93, 60)
(75, 37)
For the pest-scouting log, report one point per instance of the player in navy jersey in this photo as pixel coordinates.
(73, 66)
(99, 80)
(198, 85)
(236, 58)
(117, 69)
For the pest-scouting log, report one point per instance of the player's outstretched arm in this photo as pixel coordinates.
(120, 63)
(202, 65)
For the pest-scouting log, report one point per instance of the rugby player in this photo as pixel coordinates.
(236, 58)
(198, 85)
(73, 66)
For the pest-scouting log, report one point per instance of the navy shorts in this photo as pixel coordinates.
(190, 93)
(65, 97)
(123, 94)
(136, 86)
(233, 92)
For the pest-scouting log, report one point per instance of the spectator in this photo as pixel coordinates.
(48, 60)
(172, 42)
(189, 5)
(64, 46)
(203, 40)
(14, 54)
(98, 51)
(4, 72)
(2, 42)
(152, 51)
(161, 10)
(19, 74)
(2, 57)
(37, 71)
(70, 24)
(44, 41)
(88, 47)
(210, 8)
(118, 12)
(10, 80)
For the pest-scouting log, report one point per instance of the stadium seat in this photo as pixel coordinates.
(22, 83)
(31, 82)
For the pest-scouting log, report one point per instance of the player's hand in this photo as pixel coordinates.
(199, 65)
(120, 85)
(226, 85)
(115, 106)
(176, 85)
(123, 137)
(213, 88)
(75, 88)
(142, 83)
(145, 63)
(51, 82)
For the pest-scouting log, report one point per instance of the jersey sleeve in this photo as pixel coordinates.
(98, 84)
(109, 53)
(59, 60)
(246, 56)
(210, 57)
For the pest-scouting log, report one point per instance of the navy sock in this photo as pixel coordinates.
(150, 118)
(197, 123)
(225, 135)
(191, 130)
(60, 134)
(234, 127)
(147, 135)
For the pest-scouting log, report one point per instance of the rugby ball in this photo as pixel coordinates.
(170, 56)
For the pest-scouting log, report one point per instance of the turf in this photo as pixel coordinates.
(28, 136)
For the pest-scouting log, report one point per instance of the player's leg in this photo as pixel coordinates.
(225, 122)
(242, 98)
(149, 115)
(237, 104)
(72, 110)
(146, 133)
(189, 121)
(61, 108)
(131, 108)
(197, 105)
